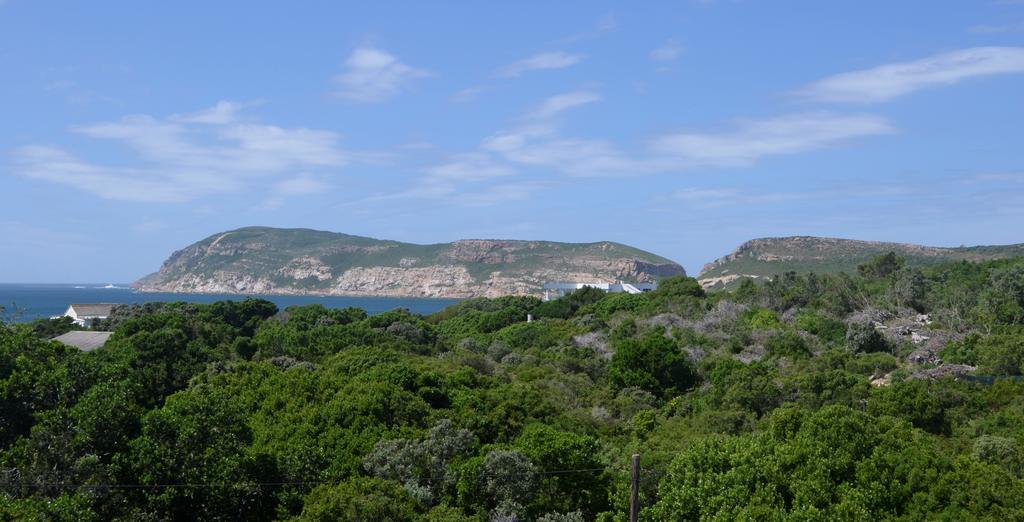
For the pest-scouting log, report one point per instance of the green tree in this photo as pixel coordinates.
(359, 499)
(653, 363)
(1001, 354)
(882, 266)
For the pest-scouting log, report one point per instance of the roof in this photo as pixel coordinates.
(85, 341)
(92, 309)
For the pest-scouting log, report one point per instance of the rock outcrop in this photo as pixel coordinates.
(769, 257)
(261, 260)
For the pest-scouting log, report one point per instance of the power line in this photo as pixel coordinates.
(212, 485)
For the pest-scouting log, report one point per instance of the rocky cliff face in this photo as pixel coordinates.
(299, 261)
(768, 257)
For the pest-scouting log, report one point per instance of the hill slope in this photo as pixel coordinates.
(263, 260)
(767, 257)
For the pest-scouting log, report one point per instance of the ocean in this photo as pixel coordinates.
(26, 302)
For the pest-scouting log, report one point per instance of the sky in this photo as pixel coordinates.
(129, 130)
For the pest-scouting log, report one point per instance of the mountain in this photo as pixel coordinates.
(772, 256)
(263, 260)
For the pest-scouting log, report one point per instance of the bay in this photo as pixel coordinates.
(26, 302)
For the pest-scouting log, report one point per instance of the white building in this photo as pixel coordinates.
(84, 313)
(556, 290)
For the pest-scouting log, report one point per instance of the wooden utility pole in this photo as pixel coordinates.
(634, 493)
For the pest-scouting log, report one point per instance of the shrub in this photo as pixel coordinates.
(864, 338)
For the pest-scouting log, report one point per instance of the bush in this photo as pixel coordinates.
(359, 499)
(1001, 354)
(653, 363)
(787, 344)
(828, 329)
(864, 338)
(762, 319)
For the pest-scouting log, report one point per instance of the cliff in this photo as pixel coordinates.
(768, 257)
(263, 260)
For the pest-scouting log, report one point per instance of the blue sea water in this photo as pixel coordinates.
(25, 302)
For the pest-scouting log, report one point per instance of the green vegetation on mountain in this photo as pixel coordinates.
(301, 261)
(770, 257)
(893, 393)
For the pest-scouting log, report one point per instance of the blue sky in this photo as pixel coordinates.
(131, 129)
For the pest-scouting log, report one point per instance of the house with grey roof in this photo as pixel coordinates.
(85, 341)
(87, 312)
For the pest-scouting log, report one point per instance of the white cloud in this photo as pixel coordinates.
(182, 158)
(753, 140)
(469, 167)
(721, 197)
(692, 194)
(562, 102)
(300, 185)
(464, 179)
(373, 75)
(221, 113)
(571, 156)
(890, 81)
(550, 60)
(501, 193)
(120, 183)
(670, 51)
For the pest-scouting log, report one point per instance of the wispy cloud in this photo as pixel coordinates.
(466, 179)
(300, 184)
(468, 94)
(222, 113)
(753, 140)
(469, 167)
(604, 25)
(539, 143)
(372, 75)
(184, 157)
(562, 102)
(669, 51)
(721, 197)
(890, 81)
(996, 177)
(542, 61)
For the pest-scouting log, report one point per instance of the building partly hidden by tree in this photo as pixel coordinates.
(879, 395)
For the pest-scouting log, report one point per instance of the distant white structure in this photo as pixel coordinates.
(556, 290)
(82, 313)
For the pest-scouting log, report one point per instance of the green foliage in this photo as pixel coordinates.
(1001, 354)
(919, 402)
(835, 463)
(882, 266)
(679, 287)
(359, 499)
(553, 451)
(865, 338)
(828, 329)
(762, 319)
(787, 343)
(566, 306)
(756, 404)
(52, 327)
(963, 351)
(653, 363)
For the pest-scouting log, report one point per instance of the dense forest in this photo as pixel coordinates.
(892, 393)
